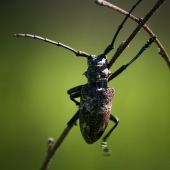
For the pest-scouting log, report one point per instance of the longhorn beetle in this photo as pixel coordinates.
(96, 97)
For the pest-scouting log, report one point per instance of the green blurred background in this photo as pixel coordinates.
(35, 77)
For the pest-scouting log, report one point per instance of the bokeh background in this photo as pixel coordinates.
(35, 76)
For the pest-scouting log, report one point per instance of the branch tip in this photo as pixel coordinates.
(99, 2)
(50, 143)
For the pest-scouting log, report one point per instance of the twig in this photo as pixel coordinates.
(53, 149)
(161, 49)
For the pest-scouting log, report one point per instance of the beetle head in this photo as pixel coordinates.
(100, 60)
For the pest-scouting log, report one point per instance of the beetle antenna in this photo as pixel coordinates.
(77, 53)
(111, 46)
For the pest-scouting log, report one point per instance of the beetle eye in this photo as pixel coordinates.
(103, 62)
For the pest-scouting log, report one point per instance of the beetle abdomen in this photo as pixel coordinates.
(95, 107)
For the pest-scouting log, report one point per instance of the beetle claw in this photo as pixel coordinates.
(105, 149)
(77, 103)
(75, 123)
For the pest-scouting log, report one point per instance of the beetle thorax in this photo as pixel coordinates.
(97, 69)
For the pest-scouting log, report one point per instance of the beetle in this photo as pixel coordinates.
(96, 97)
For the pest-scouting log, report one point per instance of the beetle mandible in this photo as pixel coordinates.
(96, 97)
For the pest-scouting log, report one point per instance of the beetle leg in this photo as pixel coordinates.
(104, 143)
(123, 67)
(74, 89)
(74, 119)
(75, 95)
(75, 92)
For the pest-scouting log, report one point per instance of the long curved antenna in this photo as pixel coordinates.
(77, 53)
(111, 46)
(136, 30)
(161, 49)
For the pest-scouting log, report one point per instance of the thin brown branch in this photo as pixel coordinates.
(161, 51)
(51, 152)
(53, 149)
